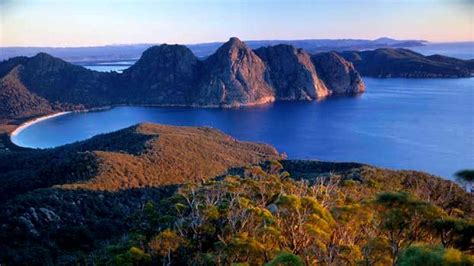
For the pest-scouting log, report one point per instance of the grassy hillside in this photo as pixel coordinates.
(116, 199)
(49, 196)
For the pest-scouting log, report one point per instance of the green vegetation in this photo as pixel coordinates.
(261, 216)
(153, 194)
(438, 255)
(466, 177)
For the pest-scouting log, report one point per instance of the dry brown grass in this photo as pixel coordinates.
(173, 155)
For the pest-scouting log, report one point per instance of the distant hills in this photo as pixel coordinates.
(235, 75)
(133, 51)
(404, 63)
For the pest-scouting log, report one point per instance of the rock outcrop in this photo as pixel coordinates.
(291, 73)
(166, 74)
(338, 74)
(233, 76)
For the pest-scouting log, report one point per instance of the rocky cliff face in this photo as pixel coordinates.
(233, 76)
(165, 74)
(291, 73)
(171, 75)
(338, 74)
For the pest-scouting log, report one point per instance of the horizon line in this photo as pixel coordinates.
(216, 42)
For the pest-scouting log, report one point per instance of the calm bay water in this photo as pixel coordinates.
(461, 50)
(420, 124)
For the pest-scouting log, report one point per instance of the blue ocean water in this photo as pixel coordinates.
(461, 50)
(421, 124)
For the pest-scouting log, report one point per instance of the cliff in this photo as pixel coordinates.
(164, 74)
(338, 74)
(292, 73)
(233, 76)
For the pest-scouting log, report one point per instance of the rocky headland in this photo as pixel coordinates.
(234, 75)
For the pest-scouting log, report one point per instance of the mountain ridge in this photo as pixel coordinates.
(133, 51)
(404, 63)
(167, 75)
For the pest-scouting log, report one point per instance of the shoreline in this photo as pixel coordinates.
(33, 121)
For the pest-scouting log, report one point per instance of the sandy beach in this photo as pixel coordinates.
(34, 121)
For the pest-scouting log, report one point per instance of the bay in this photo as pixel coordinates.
(419, 124)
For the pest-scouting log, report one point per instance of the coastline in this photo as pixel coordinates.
(34, 121)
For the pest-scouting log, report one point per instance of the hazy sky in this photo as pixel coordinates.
(88, 22)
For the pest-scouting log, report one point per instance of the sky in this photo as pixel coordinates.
(93, 22)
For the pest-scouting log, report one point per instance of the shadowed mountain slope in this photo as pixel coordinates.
(165, 74)
(16, 101)
(386, 63)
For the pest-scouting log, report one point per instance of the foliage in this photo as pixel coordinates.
(466, 177)
(133, 256)
(433, 256)
(324, 213)
(284, 259)
(455, 232)
(165, 243)
(404, 219)
(261, 216)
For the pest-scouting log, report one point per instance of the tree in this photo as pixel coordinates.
(164, 244)
(405, 220)
(466, 177)
(286, 259)
(134, 256)
(306, 226)
(455, 232)
(438, 255)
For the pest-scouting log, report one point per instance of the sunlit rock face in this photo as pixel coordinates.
(234, 75)
(291, 73)
(338, 74)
